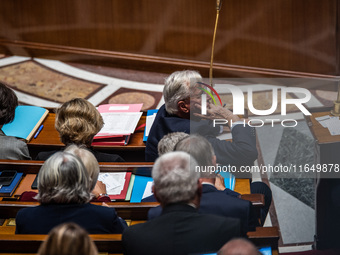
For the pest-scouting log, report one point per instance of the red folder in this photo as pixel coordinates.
(111, 140)
(122, 195)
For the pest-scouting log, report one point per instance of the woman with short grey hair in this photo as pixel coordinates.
(63, 180)
(64, 193)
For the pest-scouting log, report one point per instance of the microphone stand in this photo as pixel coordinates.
(336, 107)
(218, 8)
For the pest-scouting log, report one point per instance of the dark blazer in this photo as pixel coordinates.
(95, 219)
(242, 151)
(217, 202)
(100, 156)
(180, 230)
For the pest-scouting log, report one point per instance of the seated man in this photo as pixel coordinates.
(169, 141)
(180, 229)
(219, 202)
(11, 147)
(174, 116)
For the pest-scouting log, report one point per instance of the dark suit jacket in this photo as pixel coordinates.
(95, 219)
(219, 203)
(180, 230)
(100, 156)
(242, 151)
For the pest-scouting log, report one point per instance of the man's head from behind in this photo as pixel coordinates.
(202, 151)
(169, 141)
(238, 246)
(177, 89)
(175, 179)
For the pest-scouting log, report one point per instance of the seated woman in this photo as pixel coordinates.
(97, 188)
(68, 238)
(64, 193)
(11, 147)
(77, 122)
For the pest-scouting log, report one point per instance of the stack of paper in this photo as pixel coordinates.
(330, 122)
(116, 184)
(120, 121)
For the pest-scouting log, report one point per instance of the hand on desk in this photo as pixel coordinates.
(100, 188)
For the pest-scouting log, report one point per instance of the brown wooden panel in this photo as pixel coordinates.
(284, 34)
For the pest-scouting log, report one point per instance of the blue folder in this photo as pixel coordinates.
(8, 190)
(139, 188)
(229, 180)
(149, 113)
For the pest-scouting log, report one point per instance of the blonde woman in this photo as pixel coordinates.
(77, 122)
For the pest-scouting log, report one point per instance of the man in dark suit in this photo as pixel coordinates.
(216, 199)
(179, 114)
(180, 229)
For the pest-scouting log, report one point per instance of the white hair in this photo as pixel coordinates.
(177, 87)
(169, 141)
(89, 160)
(175, 178)
(201, 149)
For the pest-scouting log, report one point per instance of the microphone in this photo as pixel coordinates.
(218, 4)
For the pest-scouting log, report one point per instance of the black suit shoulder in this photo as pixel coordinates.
(180, 232)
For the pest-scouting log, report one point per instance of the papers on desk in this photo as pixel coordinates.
(330, 122)
(120, 121)
(116, 184)
(148, 190)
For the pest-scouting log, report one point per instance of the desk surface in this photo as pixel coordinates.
(49, 140)
(50, 137)
(320, 133)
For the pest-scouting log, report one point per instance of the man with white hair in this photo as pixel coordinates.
(182, 105)
(216, 199)
(180, 229)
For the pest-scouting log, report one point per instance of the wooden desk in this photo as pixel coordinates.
(242, 186)
(48, 139)
(327, 151)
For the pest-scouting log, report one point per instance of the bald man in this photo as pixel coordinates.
(239, 246)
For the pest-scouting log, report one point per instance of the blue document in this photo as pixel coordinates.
(139, 188)
(150, 117)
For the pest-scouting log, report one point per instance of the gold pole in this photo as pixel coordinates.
(336, 107)
(218, 7)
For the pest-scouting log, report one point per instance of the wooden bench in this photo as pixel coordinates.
(136, 212)
(111, 243)
(126, 210)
